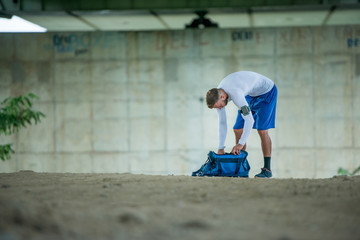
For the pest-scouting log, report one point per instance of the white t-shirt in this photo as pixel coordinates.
(238, 85)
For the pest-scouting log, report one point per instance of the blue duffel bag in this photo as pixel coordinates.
(225, 165)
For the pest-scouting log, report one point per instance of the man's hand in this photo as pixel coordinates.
(237, 148)
(221, 151)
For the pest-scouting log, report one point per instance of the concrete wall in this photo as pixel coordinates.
(134, 101)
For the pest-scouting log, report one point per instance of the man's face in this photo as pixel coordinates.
(220, 103)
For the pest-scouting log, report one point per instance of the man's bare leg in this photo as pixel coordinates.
(265, 142)
(266, 148)
(238, 133)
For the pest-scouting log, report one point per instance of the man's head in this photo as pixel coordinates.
(216, 98)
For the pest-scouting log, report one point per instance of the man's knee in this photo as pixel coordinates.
(263, 133)
(238, 131)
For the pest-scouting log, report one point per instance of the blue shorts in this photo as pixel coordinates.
(263, 109)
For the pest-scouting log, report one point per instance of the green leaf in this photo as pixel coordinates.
(355, 171)
(16, 110)
(5, 101)
(33, 96)
(28, 101)
(343, 172)
(25, 114)
(21, 100)
(5, 152)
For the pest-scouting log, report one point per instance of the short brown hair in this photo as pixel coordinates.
(212, 96)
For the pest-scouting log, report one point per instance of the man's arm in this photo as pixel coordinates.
(222, 130)
(249, 123)
(246, 114)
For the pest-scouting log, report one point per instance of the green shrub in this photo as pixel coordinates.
(16, 113)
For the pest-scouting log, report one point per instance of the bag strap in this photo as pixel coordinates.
(237, 169)
(238, 163)
(219, 167)
(246, 165)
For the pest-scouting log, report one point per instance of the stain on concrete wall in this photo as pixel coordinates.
(18, 72)
(44, 71)
(357, 65)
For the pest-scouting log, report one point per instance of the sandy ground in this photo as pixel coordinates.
(126, 206)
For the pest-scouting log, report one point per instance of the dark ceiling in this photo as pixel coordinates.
(95, 15)
(173, 5)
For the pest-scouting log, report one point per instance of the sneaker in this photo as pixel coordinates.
(265, 173)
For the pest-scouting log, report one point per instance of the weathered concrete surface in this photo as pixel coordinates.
(134, 101)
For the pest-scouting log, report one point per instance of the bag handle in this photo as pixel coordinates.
(238, 163)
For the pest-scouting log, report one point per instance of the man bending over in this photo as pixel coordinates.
(255, 96)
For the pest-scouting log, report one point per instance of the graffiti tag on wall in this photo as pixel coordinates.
(79, 43)
(178, 40)
(242, 35)
(353, 42)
